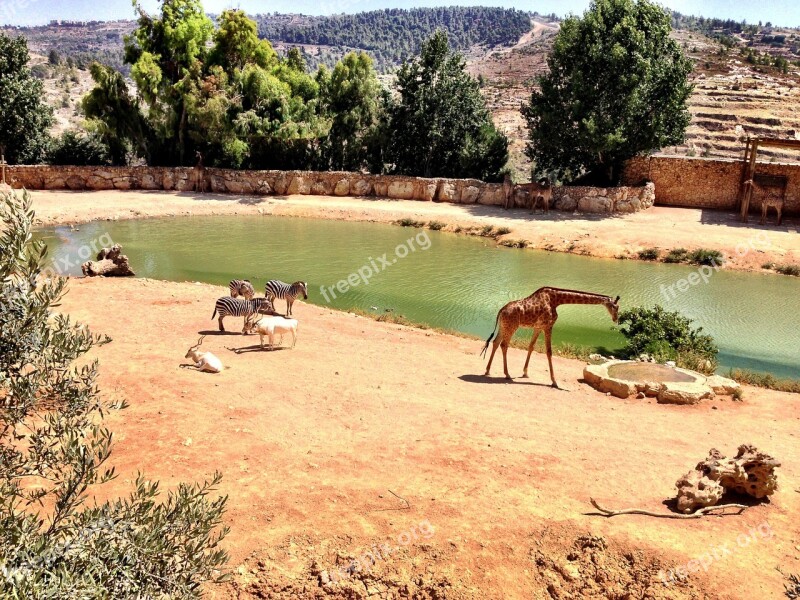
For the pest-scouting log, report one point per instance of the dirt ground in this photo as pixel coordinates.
(383, 444)
(745, 247)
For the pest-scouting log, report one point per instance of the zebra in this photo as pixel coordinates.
(240, 307)
(242, 287)
(284, 291)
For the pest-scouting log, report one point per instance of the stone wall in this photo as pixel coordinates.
(706, 183)
(604, 200)
(320, 183)
(323, 183)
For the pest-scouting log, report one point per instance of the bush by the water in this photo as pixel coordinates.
(54, 542)
(703, 256)
(676, 255)
(649, 254)
(666, 336)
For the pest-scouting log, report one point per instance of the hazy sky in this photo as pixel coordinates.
(34, 12)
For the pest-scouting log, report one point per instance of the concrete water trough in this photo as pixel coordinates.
(669, 385)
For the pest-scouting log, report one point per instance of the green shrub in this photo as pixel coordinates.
(649, 254)
(54, 543)
(408, 222)
(487, 230)
(502, 231)
(793, 270)
(768, 265)
(676, 255)
(704, 256)
(514, 243)
(436, 225)
(667, 336)
(79, 149)
(765, 380)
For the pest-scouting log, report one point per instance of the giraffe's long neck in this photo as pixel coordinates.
(576, 297)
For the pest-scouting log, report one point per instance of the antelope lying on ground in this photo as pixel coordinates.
(203, 361)
(269, 326)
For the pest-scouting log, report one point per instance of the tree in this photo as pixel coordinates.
(350, 95)
(54, 447)
(167, 55)
(617, 87)
(440, 126)
(26, 116)
(114, 115)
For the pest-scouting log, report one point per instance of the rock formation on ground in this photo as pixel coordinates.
(110, 263)
(750, 472)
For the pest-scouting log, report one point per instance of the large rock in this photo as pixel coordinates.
(110, 263)
(401, 190)
(447, 192)
(298, 185)
(595, 204)
(566, 203)
(469, 195)
(723, 385)
(750, 472)
(683, 393)
(361, 187)
(342, 188)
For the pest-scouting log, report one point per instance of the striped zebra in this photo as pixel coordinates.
(242, 287)
(241, 307)
(284, 291)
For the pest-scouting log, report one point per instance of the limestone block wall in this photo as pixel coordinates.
(465, 191)
(706, 183)
(627, 199)
(319, 183)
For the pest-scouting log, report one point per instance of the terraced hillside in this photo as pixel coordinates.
(733, 98)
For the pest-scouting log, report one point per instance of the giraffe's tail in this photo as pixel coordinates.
(489, 341)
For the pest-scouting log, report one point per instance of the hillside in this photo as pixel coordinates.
(746, 84)
(746, 76)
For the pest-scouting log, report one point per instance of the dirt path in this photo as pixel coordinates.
(746, 247)
(369, 433)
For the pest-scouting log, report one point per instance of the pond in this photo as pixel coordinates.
(448, 280)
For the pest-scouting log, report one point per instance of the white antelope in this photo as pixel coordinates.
(203, 361)
(270, 326)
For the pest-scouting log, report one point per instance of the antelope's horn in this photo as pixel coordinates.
(617, 300)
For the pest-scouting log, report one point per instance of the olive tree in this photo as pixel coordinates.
(617, 87)
(54, 451)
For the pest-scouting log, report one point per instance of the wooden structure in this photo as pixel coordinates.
(3, 165)
(750, 178)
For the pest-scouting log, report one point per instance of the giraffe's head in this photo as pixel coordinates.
(613, 308)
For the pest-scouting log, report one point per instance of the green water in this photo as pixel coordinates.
(456, 283)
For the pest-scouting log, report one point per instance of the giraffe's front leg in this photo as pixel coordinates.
(548, 333)
(504, 346)
(536, 333)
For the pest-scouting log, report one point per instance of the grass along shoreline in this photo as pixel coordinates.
(583, 353)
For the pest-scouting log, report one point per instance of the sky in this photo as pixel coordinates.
(39, 12)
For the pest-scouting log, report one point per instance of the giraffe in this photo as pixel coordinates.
(539, 312)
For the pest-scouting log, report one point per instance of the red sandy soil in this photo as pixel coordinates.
(369, 433)
(746, 247)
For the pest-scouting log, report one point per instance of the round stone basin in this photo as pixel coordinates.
(670, 385)
(642, 371)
